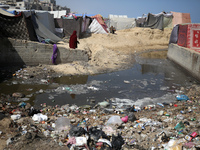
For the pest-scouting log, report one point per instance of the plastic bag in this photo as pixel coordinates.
(117, 142)
(96, 134)
(62, 123)
(39, 117)
(77, 131)
(114, 120)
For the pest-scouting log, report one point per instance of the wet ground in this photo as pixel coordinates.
(153, 78)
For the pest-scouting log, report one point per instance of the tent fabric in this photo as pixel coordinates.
(99, 18)
(69, 25)
(121, 23)
(140, 22)
(13, 27)
(42, 32)
(85, 24)
(96, 27)
(182, 35)
(47, 20)
(167, 22)
(193, 40)
(58, 14)
(180, 18)
(6, 13)
(174, 35)
(58, 23)
(155, 21)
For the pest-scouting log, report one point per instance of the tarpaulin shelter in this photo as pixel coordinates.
(140, 21)
(186, 35)
(27, 26)
(46, 19)
(13, 26)
(121, 22)
(42, 32)
(158, 21)
(69, 25)
(98, 25)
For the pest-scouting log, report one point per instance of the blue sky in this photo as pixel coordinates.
(133, 8)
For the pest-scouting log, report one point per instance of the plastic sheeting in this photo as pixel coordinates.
(95, 27)
(42, 32)
(174, 35)
(155, 21)
(121, 23)
(58, 14)
(47, 20)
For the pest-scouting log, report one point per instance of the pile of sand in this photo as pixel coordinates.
(110, 52)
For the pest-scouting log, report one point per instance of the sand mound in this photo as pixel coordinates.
(111, 52)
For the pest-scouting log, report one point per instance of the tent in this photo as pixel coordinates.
(13, 26)
(46, 19)
(27, 25)
(121, 22)
(159, 21)
(69, 25)
(186, 35)
(98, 25)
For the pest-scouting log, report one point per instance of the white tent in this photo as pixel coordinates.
(121, 22)
(96, 27)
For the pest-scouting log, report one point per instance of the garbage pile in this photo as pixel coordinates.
(160, 126)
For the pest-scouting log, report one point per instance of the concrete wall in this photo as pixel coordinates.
(21, 52)
(186, 58)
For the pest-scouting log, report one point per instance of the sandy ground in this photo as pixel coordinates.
(110, 52)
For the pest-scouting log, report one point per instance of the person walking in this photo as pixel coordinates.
(73, 40)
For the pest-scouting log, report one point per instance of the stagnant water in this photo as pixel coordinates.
(151, 79)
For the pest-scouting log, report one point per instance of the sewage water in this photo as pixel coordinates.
(151, 79)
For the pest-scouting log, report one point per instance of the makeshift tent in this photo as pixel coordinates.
(140, 21)
(13, 27)
(43, 33)
(69, 25)
(189, 36)
(121, 22)
(167, 21)
(180, 18)
(46, 19)
(6, 13)
(174, 35)
(156, 21)
(98, 25)
(186, 35)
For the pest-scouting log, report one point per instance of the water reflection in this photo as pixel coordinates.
(151, 76)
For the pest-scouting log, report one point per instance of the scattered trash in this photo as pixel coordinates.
(39, 117)
(62, 123)
(182, 97)
(16, 117)
(114, 120)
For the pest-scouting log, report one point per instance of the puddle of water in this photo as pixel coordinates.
(151, 79)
